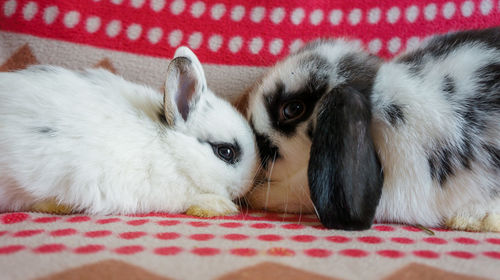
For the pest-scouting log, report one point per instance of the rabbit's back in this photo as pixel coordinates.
(436, 111)
(61, 128)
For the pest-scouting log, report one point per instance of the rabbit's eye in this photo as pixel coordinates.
(292, 110)
(226, 152)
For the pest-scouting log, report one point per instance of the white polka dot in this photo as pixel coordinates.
(374, 15)
(117, 2)
(374, 46)
(215, 42)
(257, 14)
(197, 9)
(154, 35)
(50, 14)
(177, 7)
(449, 10)
(9, 8)
(174, 38)
(296, 45)
(277, 15)
(485, 7)
(393, 15)
(335, 17)
(134, 31)
(71, 19)
(30, 10)
(276, 46)
(412, 13)
(467, 8)
(256, 45)
(113, 28)
(157, 5)
(297, 16)
(394, 45)
(430, 11)
(137, 3)
(355, 16)
(235, 44)
(194, 40)
(217, 11)
(316, 17)
(237, 13)
(412, 43)
(92, 24)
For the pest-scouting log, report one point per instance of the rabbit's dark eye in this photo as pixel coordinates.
(226, 152)
(292, 110)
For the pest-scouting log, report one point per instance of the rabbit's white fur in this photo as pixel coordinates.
(439, 150)
(96, 142)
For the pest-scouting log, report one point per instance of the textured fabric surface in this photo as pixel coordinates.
(181, 247)
(236, 41)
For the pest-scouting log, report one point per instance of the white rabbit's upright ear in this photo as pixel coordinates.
(184, 84)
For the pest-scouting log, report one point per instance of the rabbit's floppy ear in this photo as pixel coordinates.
(344, 173)
(184, 84)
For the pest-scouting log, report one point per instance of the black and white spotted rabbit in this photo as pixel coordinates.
(413, 140)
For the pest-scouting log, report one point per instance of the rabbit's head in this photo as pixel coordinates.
(217, 147)
(311, 115)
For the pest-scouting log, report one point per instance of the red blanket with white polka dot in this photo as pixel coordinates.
(236, 41)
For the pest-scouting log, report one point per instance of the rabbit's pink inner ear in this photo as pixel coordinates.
(186, 91)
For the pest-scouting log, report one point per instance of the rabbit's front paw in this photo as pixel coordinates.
(211, 205)
(51, 206)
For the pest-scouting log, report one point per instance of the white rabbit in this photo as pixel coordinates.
(96, 143)
(413, 140)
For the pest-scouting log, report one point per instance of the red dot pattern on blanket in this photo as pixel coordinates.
(5, 250)
(270, 237)
(262, 225)
(383, 228)
(49, 248)
(168, 251)
(243, 252)
(461, 254)
(338, 239)
(303, 238)
(391, 254)
(235, 236)
(168, 223)
(132, 234)
(492, 254)
(202, 236)
(355, 253)
(78, 219)
(63, 232)
(466, 240)
(137, 222)
(427, 254)
(370, 239)
(402, 240)
(129, 250)
(495, 241)
(46, 220)
(108, 221)
(98, 233)
(318, 253)
(293, 226)
(199, 224)
(167, 235)
(205, 251)
(27, 233)
(89, 249)
(231, 225)
(435, 240)
(14, 218)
